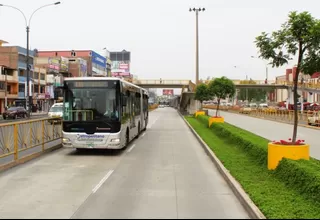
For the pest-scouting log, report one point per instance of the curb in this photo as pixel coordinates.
(242, 196)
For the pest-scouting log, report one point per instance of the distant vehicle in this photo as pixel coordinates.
(15, 112)
(246, 109)
(55, 112)
(314, 119)
(102, 112)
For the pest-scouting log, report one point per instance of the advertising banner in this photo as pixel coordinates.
(53, 65)
(83, 67)
(64, 67)
(122, 74)
(167, 92)
(120, 68)
(98, 59)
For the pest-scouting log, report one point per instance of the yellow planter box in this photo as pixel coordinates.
(294, 152)
(200, 113)
(215, 120)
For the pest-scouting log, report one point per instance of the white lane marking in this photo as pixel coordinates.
(130, 149)
(153, 122)
(143, 134)
(102, 181)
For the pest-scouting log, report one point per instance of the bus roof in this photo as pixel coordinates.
(92, 78)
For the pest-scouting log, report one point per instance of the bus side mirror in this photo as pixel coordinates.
(124, 101)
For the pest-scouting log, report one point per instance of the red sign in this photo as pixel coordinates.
(167, 92)
(124, 66)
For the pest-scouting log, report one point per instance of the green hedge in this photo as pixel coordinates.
(301, 175)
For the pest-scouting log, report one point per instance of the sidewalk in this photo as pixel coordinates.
(273, 130)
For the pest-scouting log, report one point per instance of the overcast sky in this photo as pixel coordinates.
(160, 34)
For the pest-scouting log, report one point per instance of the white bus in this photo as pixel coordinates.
(102, 112)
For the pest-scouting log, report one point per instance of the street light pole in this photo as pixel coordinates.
(253, 57)
(28, 67)
(197, 41)
(6, 88)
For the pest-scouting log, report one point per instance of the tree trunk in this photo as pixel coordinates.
(201, 105)
(218, 108)
(295, 96)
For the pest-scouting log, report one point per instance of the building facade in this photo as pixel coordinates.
(14, 74)
(120, 66)
(94, 63)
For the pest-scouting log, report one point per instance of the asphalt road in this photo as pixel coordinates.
(163, 174)
(272, 130)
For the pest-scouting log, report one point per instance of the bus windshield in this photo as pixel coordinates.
(91, 101)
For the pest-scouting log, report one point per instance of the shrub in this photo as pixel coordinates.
(302, 175)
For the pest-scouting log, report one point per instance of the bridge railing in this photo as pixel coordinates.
(160, 82)
(19, 140)
(308, 85)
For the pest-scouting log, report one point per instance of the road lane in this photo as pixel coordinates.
(163, 174)
(166, 175)
(273, 130)
(56, 184)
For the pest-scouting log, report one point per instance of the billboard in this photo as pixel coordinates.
(120, 68)
(98, 59)
(82, 67)
(53, 65)
(167, 92)
(64, 67)
(99, 64)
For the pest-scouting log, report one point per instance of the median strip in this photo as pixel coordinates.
(289, 192)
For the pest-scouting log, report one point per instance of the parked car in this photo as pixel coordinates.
(15, 112)
(246, 109)
(314, 119)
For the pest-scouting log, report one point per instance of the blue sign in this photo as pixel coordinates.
(98, 59)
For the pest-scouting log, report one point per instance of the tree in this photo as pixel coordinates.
(299, 35)
(221, 88)
(202, 93)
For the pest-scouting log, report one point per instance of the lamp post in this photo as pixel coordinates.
(197, 10)
(28, 67)
(253, 57)
(5, 72)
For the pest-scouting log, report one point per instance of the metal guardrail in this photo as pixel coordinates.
(34, 136)
(274, 114)
(307, 85)
(160, 82)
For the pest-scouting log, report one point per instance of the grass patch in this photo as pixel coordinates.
(272, 195)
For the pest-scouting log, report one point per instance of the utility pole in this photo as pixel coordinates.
(6, 88)
(197, 10)
(28, 66)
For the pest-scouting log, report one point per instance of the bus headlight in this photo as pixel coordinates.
(66, 140)
(115, 140)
